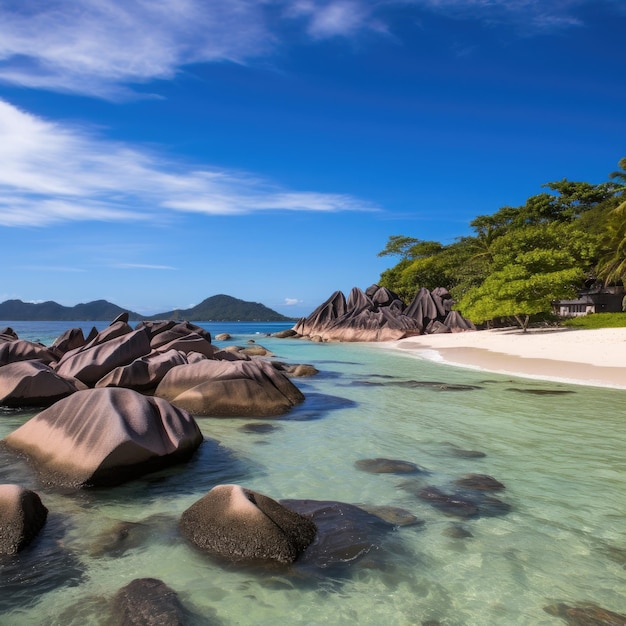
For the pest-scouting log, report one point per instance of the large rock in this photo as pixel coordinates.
(380, 315)
(102, 355)
(230, 389)
(105, 436)
(143, 374)
(192, 342)
(8, 334)
(357, 319)
(22, 516)
(23, 350)
(162, 333)
(238, 524)
(71, 339)
(31, 383)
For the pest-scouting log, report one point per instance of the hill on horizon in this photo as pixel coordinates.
(222, 308)
(219, 308)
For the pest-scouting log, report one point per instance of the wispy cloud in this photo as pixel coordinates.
(336, 17)
(524, 15)
(141, 266)
(54, 173)
(101, 47)
(95, 47)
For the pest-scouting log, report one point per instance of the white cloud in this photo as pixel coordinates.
(141, 266)
(292, 301)
(93, 47)
(336, 17)
(100, 47)
(526, 17)
(53, 173)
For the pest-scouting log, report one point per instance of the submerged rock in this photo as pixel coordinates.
(467, 454)
(39, 568)
(393, 515)
(586, 615)
(457, 531)
(148, 602)
(479, 482)
(346, 535)
(450, 504)
(387, 466)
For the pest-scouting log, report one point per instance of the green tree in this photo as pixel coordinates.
(531, 267)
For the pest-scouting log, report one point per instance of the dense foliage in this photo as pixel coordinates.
(520, 259)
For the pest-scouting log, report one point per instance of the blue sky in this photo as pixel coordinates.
(157, 153)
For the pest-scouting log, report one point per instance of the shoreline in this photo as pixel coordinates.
(595, 358)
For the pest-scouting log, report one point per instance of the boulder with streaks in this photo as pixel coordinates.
(230, 388)
(31, 383)
(99, 437)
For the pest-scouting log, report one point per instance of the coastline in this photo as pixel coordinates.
(584, 357)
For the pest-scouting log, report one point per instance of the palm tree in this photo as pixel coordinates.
(612, 266)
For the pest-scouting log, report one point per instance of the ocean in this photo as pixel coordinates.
(555, 534)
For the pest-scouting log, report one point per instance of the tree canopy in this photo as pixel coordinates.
(520, 259)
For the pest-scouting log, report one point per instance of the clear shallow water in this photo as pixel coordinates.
(561, 457)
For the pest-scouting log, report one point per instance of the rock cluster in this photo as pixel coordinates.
(120, 404)
(378, 314)
(175, 361)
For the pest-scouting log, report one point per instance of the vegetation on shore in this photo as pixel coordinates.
(520, 259)
(597, 320)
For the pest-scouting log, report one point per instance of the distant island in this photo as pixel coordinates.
(219, 308)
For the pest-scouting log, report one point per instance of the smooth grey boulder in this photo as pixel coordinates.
(239, 524)
(97, 358)
(98, 437)
(145, 373)
(22, 516)
(230, 389)
(31, 383)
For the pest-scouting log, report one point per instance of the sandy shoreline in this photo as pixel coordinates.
(584, 357)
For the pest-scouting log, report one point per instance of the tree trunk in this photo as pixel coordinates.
(523, 322)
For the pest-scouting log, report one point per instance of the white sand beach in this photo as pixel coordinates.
(586, 357)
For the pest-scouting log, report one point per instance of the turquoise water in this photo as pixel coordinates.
(558, 449)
